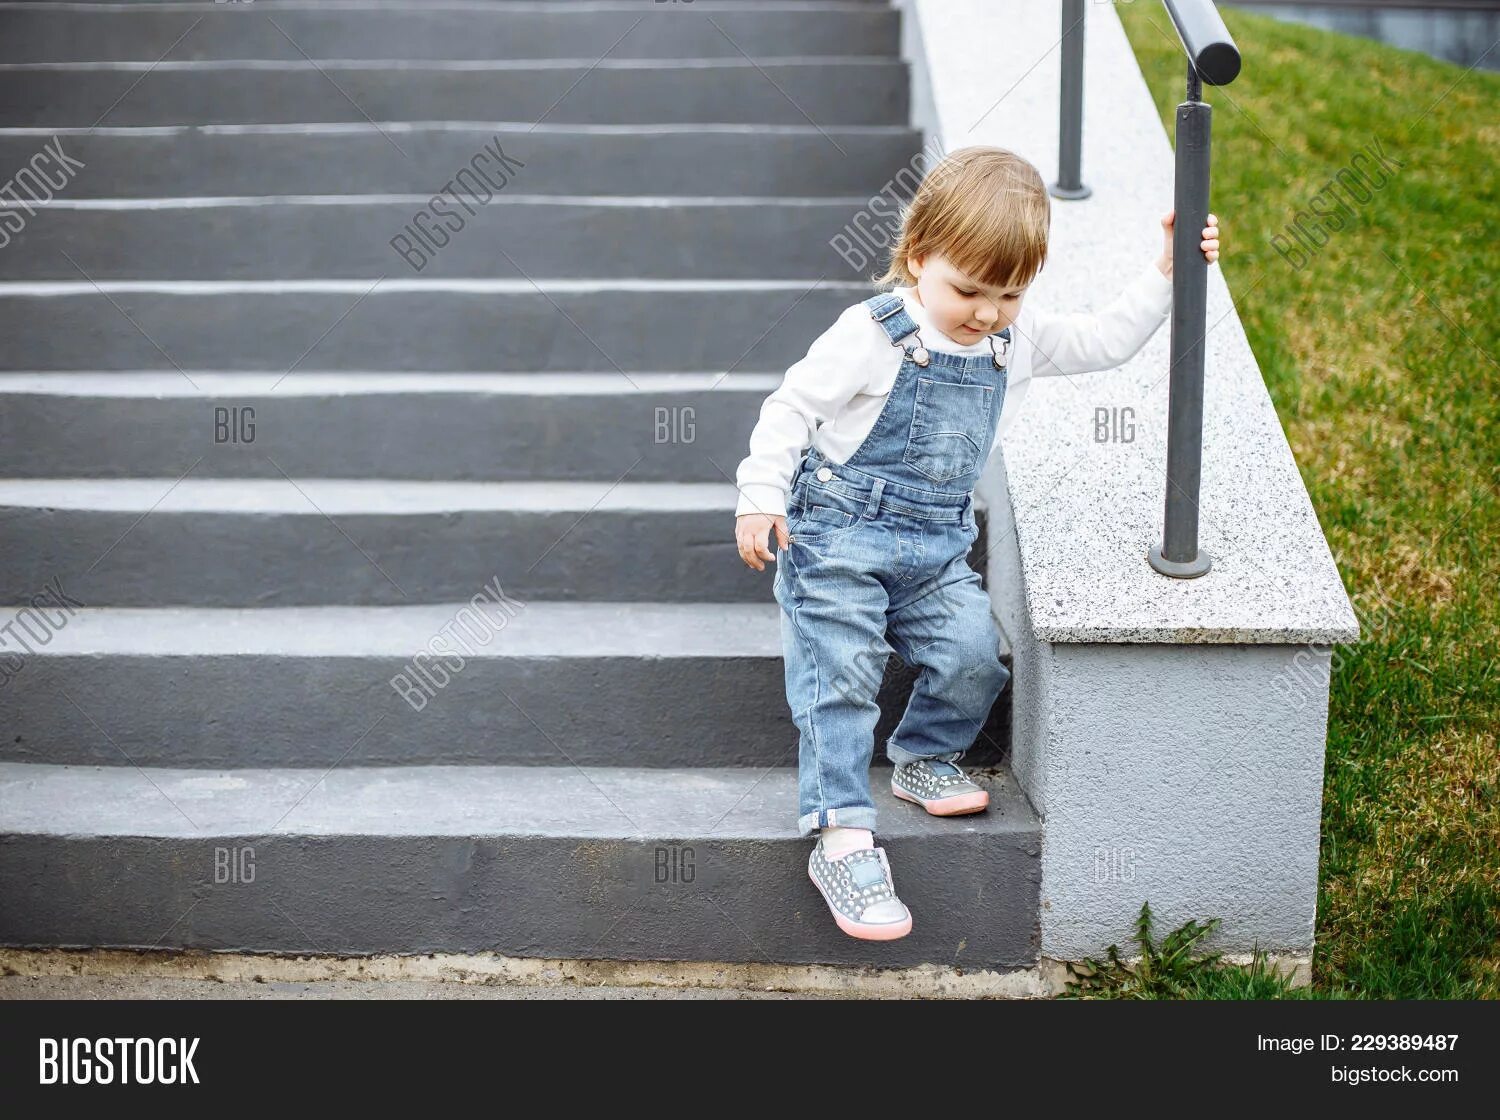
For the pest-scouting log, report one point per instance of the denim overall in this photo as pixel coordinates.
(878, 562)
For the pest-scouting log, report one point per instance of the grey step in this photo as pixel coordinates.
(560, 427)
(362, 238)
(364, 5)
(828, 91)
(625, 864)
(254, 542)
(422, 157)
(534, 683)
(429, 325)
(458, 5)
(620, 29)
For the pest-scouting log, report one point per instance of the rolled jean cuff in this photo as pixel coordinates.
(902, 757)
(857, 816)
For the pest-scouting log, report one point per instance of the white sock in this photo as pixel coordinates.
(838, 840)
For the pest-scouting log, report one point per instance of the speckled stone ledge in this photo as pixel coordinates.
(1085, 460)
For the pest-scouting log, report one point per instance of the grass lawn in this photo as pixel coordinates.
(1380, 351)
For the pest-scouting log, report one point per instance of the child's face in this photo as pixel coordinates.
(961, 309)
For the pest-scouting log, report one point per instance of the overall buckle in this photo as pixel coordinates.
(1002, 355)
(917, 353)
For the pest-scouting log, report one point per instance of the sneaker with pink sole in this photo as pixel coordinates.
(860, 892)
(939, 787)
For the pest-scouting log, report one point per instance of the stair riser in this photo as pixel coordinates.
(147, 33)
(677, 436)
(120, 558)
(274, 6)
(837, 239)
(774, 94)
(282, 559)
(973, 905)
(672, 331)
(344, 160)
(269, 711)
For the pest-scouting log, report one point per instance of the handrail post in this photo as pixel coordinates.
(1070, 106)
(1212, 57)
(1178, 554)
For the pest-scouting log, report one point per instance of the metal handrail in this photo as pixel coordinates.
(1212, 58)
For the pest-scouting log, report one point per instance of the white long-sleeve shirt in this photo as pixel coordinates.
(831, 398)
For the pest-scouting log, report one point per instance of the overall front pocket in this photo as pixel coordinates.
(814, 521)
(949, 425)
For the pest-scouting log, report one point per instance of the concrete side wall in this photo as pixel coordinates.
(924, 114)
(1186, 776)
(1031, 659)
(1189, 777)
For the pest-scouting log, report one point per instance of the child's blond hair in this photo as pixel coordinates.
(986, 209)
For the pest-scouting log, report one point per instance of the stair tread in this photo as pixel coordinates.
(486, 129)
(442, 30)
(539, 628)
(597, 801)
(833, 202)
(171, 383)
(356, 496)
(384, 158)
(472, 286)
(457, 65)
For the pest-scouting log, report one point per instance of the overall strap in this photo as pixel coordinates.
(889, 311)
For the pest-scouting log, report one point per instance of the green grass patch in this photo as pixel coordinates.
(1380, 352)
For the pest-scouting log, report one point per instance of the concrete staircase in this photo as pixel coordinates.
(266, 461)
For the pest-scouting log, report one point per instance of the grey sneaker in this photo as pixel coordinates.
(939, 787)
(860, 892)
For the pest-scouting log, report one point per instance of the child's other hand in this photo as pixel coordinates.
(1209, 244)
(752, 532)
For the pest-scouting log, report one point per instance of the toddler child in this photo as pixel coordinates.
(864, 463)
